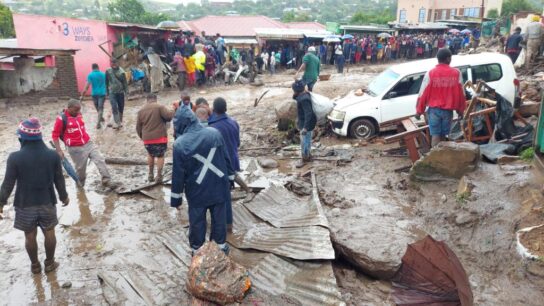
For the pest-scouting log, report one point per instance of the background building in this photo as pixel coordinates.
(420, 11)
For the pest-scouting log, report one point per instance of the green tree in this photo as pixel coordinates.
(493, 14)
(382, 17)
(513, 6)
(133, 11)
(292, 17)
(6, 22)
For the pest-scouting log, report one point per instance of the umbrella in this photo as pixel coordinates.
(68, 167)
(347, 36)
(453, 31)
(168, 24)
(384, 35)
(331, 38)
(466, 31)
(431, 274)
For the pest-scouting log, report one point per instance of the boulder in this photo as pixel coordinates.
(374, 245)
(447, 159)
(268, 163)
(286, 113)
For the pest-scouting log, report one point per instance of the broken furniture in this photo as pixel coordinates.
(416, 139)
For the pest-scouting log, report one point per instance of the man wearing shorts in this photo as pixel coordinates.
(37, 172)
(441, 93)
(151, 124)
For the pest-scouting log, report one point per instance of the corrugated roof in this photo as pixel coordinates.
(310, 283)
(35, 52)
(304, 243)
(314, 26)
(279, 33)
(240, 41)
(281, 208)
(233, 26)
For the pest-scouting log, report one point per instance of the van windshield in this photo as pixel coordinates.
(382, 82)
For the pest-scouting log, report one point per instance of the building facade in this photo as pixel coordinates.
(420, 11)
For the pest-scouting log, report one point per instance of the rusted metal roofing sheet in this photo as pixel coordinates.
(308, 282)
(282, 208)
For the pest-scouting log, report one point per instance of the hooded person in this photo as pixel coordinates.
(36, 172)
(306, 121)
(202, 170)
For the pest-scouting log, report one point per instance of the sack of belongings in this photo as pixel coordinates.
(214, 277)
(322, 106)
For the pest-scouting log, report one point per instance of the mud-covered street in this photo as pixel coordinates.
(371, 209)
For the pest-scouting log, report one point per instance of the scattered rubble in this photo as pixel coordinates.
(465, 187)
(268, 163)
(447, 159)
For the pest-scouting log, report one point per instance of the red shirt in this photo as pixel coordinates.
(442, 88)
(75, 134)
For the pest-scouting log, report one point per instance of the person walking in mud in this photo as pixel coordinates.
(97, 80)
(306, 121)
(117, 88)
(70, 128)
(37, 172)
(151, 126)
(441, 93)
(311, 66)
(203, 171)
(230, 130)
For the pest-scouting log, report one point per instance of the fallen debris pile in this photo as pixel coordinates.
(214, 277)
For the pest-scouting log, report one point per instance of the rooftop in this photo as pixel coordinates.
(233, 26)
(35, 52)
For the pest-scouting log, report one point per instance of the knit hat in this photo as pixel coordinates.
(30, 129)
(298, 86)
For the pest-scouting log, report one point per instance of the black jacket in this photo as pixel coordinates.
(35, 169)
(306, 116)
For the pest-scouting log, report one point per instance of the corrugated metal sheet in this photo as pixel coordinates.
(309, 283)
(179, 246)
(282, 208)
(240, 41)
(304, 243)
(279, 33)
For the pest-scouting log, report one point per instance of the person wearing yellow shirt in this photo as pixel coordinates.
(200, 60)
(191, 67)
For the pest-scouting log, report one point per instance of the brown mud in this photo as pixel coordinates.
(101, 231)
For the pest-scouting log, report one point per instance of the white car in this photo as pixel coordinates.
(393, 94)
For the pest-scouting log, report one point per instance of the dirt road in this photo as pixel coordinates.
(103, 232)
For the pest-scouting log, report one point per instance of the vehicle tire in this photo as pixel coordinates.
(362, 129)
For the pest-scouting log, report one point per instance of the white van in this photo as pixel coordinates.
(393, 94)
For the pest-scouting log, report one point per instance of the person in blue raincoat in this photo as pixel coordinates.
(202, 170)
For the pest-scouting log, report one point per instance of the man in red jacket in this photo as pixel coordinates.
(442, 92)
(70, 128)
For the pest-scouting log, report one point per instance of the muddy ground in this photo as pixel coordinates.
(101, 231)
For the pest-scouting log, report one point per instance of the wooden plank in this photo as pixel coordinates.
(409, 125)
(399, 136)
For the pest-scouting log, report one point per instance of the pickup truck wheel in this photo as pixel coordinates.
(362, 129)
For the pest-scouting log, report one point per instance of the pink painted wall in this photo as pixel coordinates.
(46, 32)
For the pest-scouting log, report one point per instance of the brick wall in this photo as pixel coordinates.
(64, 85)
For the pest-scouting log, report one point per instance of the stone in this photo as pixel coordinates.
(529, 108)
(464, 218)
(286, 113)
(66, 285)
(465, 187)
(443, 198)
(448, 159)
(268, 163)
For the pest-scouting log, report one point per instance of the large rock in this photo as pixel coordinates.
(374, 245)
(286, 113)
(447, 159)
(529, 108)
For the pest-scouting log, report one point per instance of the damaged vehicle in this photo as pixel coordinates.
(393, 94)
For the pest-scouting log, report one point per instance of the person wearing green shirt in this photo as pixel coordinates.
(311, 66)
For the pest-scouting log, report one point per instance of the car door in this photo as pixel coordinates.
(401, 100)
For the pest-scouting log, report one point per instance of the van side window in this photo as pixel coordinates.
(408, 85)
(464, 73)
(488, 73)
